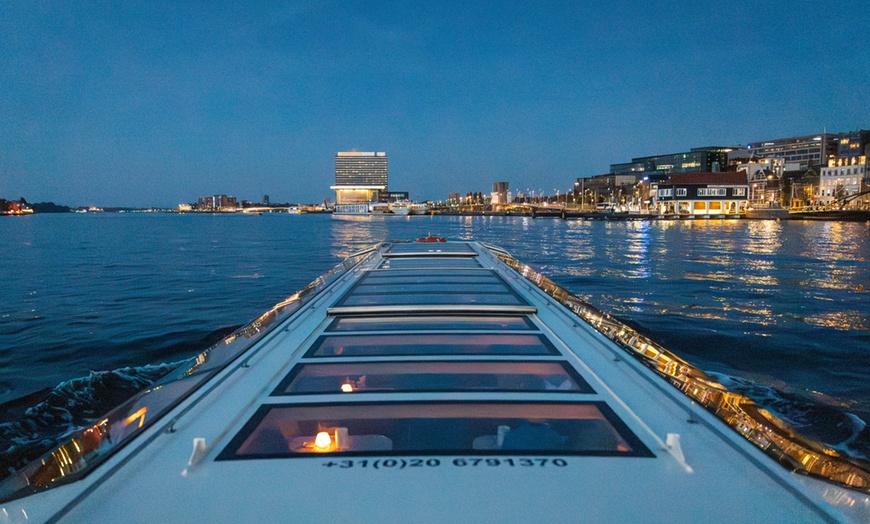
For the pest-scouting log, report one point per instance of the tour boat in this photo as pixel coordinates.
(437, 382)
(409, 208)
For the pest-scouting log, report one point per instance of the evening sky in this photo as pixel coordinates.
(158, 103)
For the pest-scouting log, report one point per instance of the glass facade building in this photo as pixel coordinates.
(805, 151)
(697, 160)
(361, 169)
(359, 176)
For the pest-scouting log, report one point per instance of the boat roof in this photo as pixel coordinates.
(437, 381)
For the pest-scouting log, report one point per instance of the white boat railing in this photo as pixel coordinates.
(86, 448)
(769, 433)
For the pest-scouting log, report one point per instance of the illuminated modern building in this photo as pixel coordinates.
(393, 196)
(805, 151)
(697, 160)
(359, 176)
(500, 193)
(853, 145)
(217, 203)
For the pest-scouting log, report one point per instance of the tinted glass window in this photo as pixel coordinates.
(420, 262)
(430, 344)
(424, 278)
(434, 247)
(482, 323)
(434, 428)
(431, 288)
(443, 273)
(379, 377)
(432, 299)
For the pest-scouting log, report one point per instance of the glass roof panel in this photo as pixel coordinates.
(430, 287)
(420, 263)
(444, 273)
(479, 428)
(424, 299)
(380, 377)
(388, 277)
(430, 344)
(434, 247)
(422, 323)
(385, 288)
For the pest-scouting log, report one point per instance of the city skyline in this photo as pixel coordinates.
(155, 105)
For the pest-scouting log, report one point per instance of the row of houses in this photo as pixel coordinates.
(723, 193)
(828, 169)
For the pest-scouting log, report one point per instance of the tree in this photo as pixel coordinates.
(785, 192)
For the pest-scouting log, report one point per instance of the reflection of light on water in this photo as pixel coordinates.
(466, 227)
(638, 252)
(764, 237)
(578, 244)
(350, 233)
(719, 276)
(760, 280)
(842, 320)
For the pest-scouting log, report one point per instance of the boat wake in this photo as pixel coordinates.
(838, 429)
(35, 423)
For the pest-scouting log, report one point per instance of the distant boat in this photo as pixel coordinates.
(409, 208)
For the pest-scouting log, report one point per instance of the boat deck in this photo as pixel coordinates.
(433, 383)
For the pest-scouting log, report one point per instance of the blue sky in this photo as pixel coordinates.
(138, 105)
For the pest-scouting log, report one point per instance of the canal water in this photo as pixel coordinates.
(95, 306)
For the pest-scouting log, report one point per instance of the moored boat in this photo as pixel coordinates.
(408, 208)
(445, 381)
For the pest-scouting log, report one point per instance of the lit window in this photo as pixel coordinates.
(430, 344)
(430, 323)
(380, 377)
(479, 428)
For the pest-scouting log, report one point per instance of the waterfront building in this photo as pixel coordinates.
(842, 179)
(699, 159)
(217, 203)
(703, 194)
(499, 196)
(765, 177)
(454, 198)
(853, 144)
(359, 176)
(393, 196)
(359, 208)
(808, 151)
(805, 189)
(607, 188)
(14, 207)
